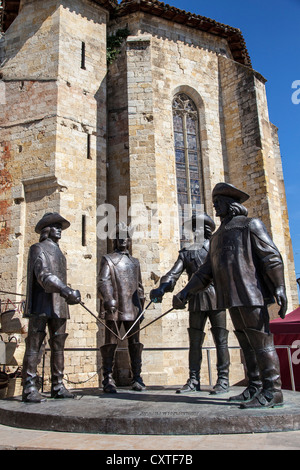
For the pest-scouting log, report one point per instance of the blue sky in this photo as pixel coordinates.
(271, 30)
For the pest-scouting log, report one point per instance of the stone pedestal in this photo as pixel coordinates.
(157, 410)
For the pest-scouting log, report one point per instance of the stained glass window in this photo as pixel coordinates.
(187, 152)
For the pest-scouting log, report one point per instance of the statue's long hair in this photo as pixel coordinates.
(236, 208)
(44, 234)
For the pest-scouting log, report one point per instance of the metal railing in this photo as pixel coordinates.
(289, 347)
(285, 346)
(208, 353)
(207, 348)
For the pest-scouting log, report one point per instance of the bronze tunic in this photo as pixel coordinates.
(240, 256)
(120, 279)
(190, 260)
(46, 276)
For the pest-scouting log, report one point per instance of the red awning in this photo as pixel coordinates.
(290, 325)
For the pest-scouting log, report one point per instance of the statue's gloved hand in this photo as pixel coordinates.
(110, 306)
(180, 300)
(157, 294)
(280, 296)
(72, 296)
(276, 275)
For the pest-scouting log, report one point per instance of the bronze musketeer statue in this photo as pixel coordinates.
(121, 290)
(48, 297)
(247, 270)
(202, 306)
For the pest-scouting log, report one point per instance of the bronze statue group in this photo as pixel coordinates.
(237, 267)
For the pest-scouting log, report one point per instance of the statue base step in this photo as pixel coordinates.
(157, 410)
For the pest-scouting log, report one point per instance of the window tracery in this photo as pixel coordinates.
(187, 152)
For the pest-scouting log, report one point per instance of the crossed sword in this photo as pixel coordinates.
(117, 329)
(134, 323)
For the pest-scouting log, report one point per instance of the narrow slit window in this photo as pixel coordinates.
(83, 230)
(83, 55)
(88, 147)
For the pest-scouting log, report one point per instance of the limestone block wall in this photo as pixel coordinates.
(53, 142)
(27, 134)
(288, 255)
(158, 60)
(254, 162)
(81, 165)
(275, 194)
(75, 135)
(155, 63)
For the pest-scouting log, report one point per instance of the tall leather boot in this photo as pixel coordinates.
(29, 371)
(254, 381)
(271, 395)
(57, 343)
(220, 336)
(135, 353)
(195, 359)
(108, 356)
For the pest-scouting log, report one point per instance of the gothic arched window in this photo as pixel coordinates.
(188, 153)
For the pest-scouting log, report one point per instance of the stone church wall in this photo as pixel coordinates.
(76, 135)
(53, 142)
(156, 62)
